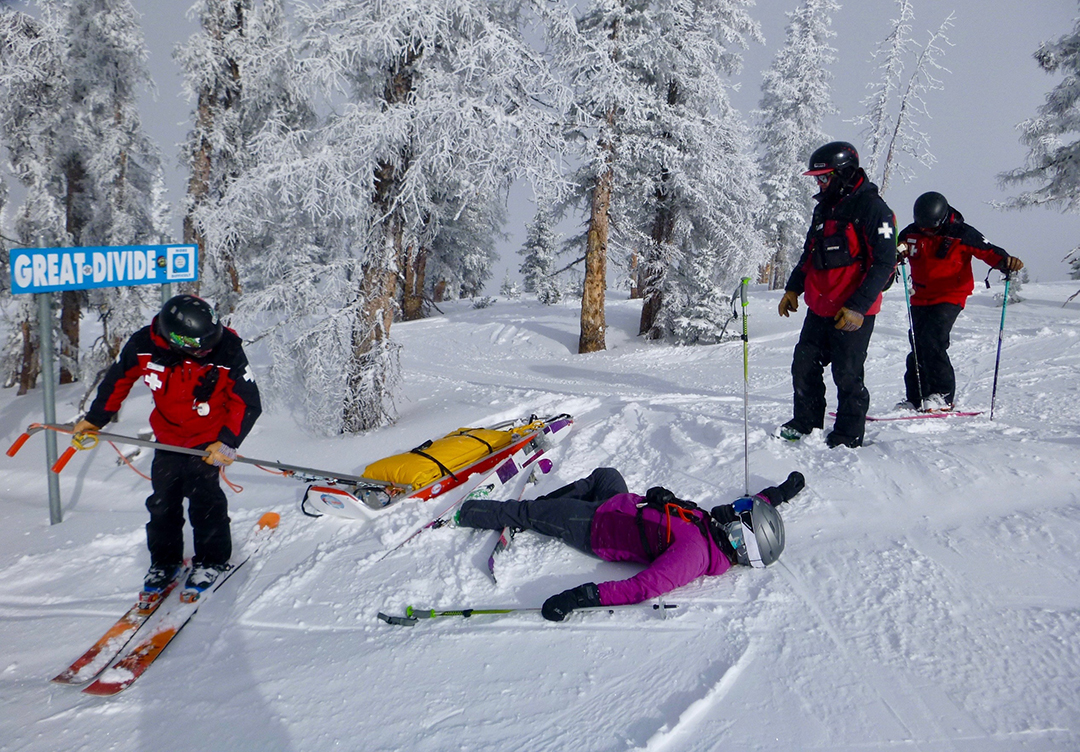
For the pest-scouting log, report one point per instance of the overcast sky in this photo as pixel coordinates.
(994, 84)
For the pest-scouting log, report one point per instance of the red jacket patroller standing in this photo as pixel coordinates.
(848, 258)
(939, 246)
(675, 540)
(205, 397)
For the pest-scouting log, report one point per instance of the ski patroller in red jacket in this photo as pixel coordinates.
(616, 536)
(941, 261)
(196, 401)
(849, 253)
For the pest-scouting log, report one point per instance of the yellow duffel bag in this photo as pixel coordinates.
(434, 459)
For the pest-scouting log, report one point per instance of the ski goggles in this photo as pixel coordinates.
(190, 345)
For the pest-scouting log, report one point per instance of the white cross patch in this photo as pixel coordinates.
(152, 381)
(249, 376)
(885, 230)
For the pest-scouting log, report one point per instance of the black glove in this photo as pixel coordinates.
(786, 491)
(558, 606)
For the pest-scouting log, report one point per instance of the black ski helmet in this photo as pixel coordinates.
(931, 210)
(763, 533)
(836, 156)
(189, 325)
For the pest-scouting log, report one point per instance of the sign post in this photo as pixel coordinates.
(43, 271)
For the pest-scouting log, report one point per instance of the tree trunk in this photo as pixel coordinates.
(592, 296)
(412, 297)
(371, 372)
(635, 276)
(210, 102)
(654, 270)
(71, 300)
(30, 364)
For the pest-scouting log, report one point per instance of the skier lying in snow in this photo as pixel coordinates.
(678, 541)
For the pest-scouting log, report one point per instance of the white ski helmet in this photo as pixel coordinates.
(763, 533)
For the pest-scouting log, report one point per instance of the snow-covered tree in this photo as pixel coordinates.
(429, 108)
(91, 174)
(213, 61)
(461, 255)
(896, 101)
(538, 267)
(113, 169)
(795, 99)
(1053, 135)
(32, 91)
(666, 158)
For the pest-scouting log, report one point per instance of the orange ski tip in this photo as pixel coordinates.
(270, 519)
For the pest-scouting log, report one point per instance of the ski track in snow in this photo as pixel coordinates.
(928, 598)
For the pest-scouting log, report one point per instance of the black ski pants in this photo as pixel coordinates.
(933, 372)
(176, 476)
(565, 513)
(821, 344)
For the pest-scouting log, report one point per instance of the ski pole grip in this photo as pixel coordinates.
(742, 290)
(64, 458)
(17, 445)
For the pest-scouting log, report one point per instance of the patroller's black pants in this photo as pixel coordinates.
(933, 373)
(566, 513)
(821, 344)
(175, 477)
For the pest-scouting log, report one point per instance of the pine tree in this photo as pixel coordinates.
(796, 98)
(213, 80)
(1053, 160)
(666, 158)
(114, 171)
(429, 107)
(538, 268)
(92, 175)
(32, 91)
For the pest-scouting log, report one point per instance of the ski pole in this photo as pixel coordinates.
(287, 469)
(911, 333)
(413, 615)
(746, 383)
(1001, 335)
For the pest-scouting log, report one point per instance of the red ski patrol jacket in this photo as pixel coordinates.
(941, 260)
(196, 401)
(849, 254)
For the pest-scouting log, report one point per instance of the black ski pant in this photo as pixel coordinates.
(565, 513)
(933, 372)
(821, 344)
(176, 476)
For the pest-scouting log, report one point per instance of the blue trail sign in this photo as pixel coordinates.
(35, 270)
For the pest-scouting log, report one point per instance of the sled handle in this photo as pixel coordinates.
(64, 458)
(18, 444)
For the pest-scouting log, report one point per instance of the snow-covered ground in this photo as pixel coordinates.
(928, 598)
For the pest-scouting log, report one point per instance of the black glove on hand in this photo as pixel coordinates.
(786, 491)
(558, 606)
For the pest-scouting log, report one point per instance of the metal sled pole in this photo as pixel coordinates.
(287, 469)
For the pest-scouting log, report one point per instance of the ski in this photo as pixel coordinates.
(101, 653)
(133, 665)
(924, 416)
(516, 491)
(506, 537)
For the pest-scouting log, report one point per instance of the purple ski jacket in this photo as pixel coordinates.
(616, 536)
